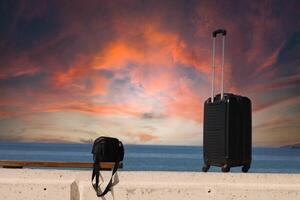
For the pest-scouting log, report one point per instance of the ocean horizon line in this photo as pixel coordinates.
(294, 146)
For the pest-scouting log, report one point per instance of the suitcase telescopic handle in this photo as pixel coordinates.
(214, 35)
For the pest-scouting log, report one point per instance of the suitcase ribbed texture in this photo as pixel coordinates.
(214, 128)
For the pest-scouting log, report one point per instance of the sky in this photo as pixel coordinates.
(71, 71)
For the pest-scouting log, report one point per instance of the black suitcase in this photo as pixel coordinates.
(227, 127)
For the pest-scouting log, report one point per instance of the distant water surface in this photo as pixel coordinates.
(152, 157)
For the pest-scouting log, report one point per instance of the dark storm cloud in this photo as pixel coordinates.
(24, 81)
(152, 116)
(288, 60)
(256, 30)
(51, 34)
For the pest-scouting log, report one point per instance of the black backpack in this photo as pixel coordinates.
(106, 149)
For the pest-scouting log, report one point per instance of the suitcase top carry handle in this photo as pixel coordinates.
(219, 31)
(214, 34)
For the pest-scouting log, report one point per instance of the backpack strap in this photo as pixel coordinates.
(96, 174)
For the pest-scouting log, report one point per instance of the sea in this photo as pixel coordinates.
(153, 157)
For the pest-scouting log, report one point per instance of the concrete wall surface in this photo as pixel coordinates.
(42, 184)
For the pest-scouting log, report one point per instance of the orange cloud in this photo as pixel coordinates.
(184, 102)
(110, 109)
(81, 79)
(117, 55)
(145, 137)
(196, 57)
(20, 66)
(271, 60)
(153, 47)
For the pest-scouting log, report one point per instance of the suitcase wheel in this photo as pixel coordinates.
(205, 167)
(225, 168)
(245, 168)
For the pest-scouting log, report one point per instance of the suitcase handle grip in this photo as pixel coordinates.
(219, 31)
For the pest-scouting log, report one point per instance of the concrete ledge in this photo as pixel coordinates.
(75, 185)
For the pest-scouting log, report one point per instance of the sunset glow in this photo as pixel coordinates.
(141, 70)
